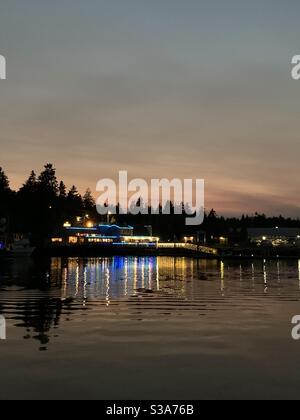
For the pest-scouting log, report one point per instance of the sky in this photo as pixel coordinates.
(161, 88)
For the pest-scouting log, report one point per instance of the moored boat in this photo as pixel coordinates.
(18, 248)
(21, 248)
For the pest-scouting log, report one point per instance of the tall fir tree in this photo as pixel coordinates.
(62, 190)
(31, 184)
(4, 183)
(88, 200)
(47, 180)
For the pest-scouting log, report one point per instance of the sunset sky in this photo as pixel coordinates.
(161, 88)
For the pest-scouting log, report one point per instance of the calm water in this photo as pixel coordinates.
(137, 328)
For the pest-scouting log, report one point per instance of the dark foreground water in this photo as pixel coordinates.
(147, 328)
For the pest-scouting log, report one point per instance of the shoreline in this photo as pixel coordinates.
(98, 252)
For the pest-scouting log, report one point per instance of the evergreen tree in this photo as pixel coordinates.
(88, 200)
(4, 183)
(212, 215)
(74, 200)
(6, 194)
(30, 186)
(73, 193)
(48, 182)
(62, 190)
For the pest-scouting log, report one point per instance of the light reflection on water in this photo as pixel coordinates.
(175, 317)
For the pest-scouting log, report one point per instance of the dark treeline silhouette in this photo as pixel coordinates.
(173, 227)
(43, 204)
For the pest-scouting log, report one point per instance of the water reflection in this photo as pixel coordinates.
(41, 298)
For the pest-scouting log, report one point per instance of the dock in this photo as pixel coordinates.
(134, 249)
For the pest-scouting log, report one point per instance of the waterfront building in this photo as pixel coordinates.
(274, 236)
(104, 234)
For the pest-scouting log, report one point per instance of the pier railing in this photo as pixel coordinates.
(192, 247)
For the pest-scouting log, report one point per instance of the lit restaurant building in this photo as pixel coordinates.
(102, 235)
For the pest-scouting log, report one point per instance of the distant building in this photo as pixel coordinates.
(194, 238)
(274, 236)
